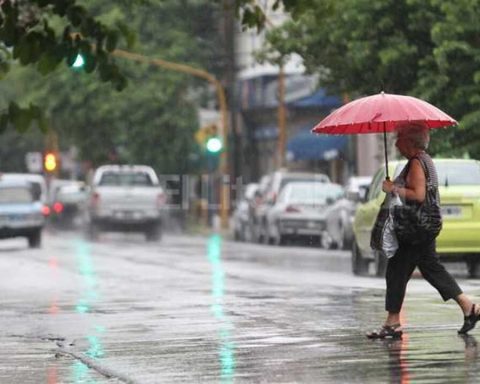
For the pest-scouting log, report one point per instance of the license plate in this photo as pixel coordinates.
(451, 211)
(311, 224)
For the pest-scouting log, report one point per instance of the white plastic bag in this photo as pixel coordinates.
(389, 238)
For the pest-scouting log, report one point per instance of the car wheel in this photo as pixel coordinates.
(153, 233)
(359, 263)
(380, 264)
(236, 235)
(249, 234)
(326, 241)
(347, 242)
(265, 235)
(35, 239)
(242, 232)
(93, 231)
(473, 267)
(279, 239)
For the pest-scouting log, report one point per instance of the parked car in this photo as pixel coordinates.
(126, 198)
(68, 203)
(459, 189)
(241, 216)
(21, 214)
(339, 216)
(253, 225)
(36, 181)
(276, 183)
(299, 210)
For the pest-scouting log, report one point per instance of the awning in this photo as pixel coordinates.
(308, 146)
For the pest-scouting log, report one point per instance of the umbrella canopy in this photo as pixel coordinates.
(382, 113)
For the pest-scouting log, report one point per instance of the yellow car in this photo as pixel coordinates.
(459, 188)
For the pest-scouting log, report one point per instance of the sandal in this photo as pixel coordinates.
(386, 331)
(470, 321)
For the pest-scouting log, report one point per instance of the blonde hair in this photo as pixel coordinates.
(416, 132)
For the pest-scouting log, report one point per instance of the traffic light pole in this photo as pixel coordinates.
(224, 168)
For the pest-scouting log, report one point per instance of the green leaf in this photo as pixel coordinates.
(43, 124)
(4, 120)
(61, 6)
(112, 40)
(47, 63)
(76, 14)
(121, 83)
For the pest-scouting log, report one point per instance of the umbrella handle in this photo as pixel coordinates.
(385, 149)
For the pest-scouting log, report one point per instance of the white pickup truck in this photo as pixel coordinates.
(126, 198)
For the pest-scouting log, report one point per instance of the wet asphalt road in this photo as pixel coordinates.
(193, 309)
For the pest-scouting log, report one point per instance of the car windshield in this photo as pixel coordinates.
(452, 173)
(458, 173)
(314, 193)
(125, 178)
(316, 178)
(15, 195)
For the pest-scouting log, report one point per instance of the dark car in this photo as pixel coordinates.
(68, 203)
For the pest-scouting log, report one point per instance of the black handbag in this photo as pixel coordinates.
(419, 222)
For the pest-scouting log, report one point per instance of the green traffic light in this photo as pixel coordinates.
(214, 145)
(79, 61)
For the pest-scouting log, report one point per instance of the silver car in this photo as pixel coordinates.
(299, 210)
(339, 230)
(242, 215)
(276, 182)
(21, 215)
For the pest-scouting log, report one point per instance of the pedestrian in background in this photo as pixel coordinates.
(410, 185)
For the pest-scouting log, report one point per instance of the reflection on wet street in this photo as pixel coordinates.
(207, 310)
(226, 348)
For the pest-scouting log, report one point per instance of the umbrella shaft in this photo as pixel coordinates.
(386, 150)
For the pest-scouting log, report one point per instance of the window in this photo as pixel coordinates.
(126, 179)
(376, 186)
(313, 193)
(458, 173)
(454, 172)
(15, 195)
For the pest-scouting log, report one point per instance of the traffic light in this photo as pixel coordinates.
(79, 62)
(50, 162)
(209, 139)
(214, 144)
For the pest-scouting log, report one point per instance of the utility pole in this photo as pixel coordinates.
(282, 110)
(235, 144)
(282, 116)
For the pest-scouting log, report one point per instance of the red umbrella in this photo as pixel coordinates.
(382, 113)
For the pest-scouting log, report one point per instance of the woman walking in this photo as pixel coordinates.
(410, 185)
